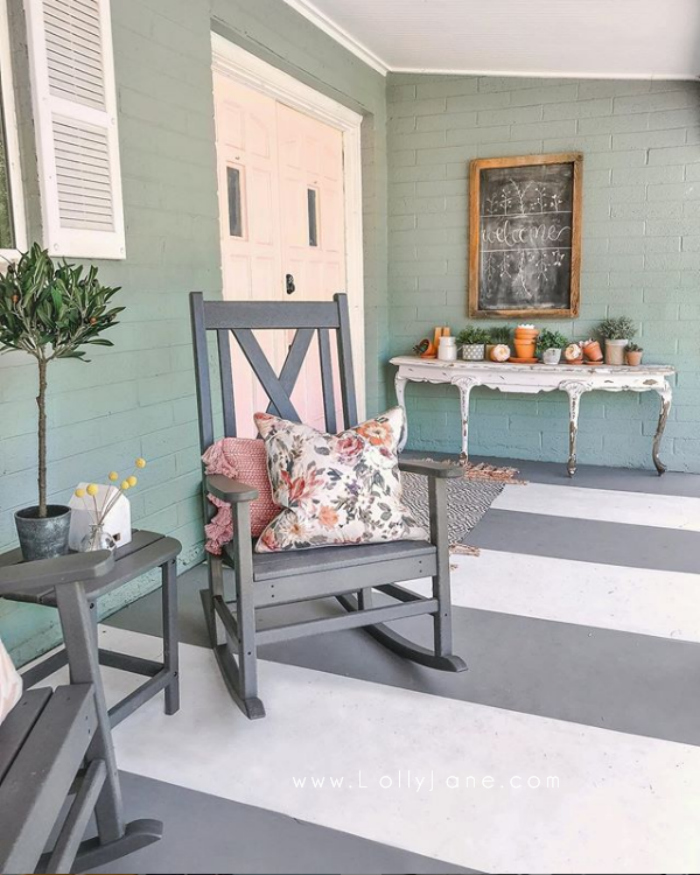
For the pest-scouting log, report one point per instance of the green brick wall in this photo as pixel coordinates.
(138, 399)
(641, 248)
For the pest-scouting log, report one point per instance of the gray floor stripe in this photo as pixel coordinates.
(588, 540)
(615, 680)
(203, 833)
(593, 476)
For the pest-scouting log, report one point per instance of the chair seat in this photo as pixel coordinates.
(293, 563)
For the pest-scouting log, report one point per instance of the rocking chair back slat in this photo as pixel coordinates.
(226, 375)
(201, 371)
(272, 314)
(347, 375)
(324, 346)
(294, 361)
(280, 402)
(238, 320)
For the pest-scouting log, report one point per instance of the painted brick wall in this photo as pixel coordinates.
(641, 247)
(138, 399)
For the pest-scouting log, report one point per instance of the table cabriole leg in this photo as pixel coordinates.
(400, 386)
(574, 390)
(465, 386)
(665, 393)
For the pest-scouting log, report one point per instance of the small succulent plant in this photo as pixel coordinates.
(549, 339)
(473, 335)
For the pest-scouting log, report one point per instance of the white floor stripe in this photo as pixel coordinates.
(625, 804)
(607, 505)
(641, 600)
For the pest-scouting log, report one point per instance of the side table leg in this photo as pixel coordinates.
(79, 624)
(574, 390)
(400, 386)
(170, 636)
(465, 386)
(666, 394)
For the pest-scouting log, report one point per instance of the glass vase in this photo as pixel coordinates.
(97, 539)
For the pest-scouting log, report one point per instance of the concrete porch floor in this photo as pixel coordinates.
(580, 621)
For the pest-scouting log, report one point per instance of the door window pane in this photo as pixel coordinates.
(7, 240)
(235, 210)
(313, 216)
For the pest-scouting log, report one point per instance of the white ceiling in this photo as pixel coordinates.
(596, 38)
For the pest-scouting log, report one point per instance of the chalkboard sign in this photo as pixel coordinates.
(525, 236)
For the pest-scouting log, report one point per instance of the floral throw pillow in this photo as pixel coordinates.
(335, 489)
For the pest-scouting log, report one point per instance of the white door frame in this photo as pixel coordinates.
(236, 63)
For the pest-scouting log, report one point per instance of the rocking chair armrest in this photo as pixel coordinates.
(431, 469)
(229, 490)
(42, 574)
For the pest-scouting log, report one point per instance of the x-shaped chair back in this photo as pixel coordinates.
(238, 320)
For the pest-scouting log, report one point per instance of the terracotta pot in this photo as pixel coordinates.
(634, 358)
(524, 349)
(592, 352)
(525, 333)
(615, 352)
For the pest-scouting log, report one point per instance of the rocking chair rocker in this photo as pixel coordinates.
(264, 580)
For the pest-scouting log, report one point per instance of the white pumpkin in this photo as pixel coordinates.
(500, 353)
(572, 352)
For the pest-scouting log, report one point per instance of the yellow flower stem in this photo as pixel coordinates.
(113, 500)
(104, 503)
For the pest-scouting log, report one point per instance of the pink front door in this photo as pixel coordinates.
(281, 206)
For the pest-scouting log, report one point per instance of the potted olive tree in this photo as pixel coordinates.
(50, 311)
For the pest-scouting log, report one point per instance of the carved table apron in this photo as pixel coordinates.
(532, 379)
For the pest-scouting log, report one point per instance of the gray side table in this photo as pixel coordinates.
(78, 613)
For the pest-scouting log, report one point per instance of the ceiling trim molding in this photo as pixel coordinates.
(339, 34)
(542, 74)
(347, 40)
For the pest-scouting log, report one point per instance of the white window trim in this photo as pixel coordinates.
(14, 168)
(233, 61)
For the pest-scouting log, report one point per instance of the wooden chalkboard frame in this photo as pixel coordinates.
(475, 168)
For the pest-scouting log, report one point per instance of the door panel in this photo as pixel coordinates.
(246, 130)
(281, 212)
(311, 159)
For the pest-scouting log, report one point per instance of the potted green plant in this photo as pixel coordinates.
(549, 346)
(50, 311)
(633, 354)
(473, 341)
(616, 333)
(498, 335)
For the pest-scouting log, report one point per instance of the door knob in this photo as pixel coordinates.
(291, 288)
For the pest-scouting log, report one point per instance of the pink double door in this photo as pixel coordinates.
(282, 214)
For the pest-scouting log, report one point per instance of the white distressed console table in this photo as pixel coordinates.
(531, 379)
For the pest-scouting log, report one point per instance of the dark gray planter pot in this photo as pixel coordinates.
(43, 538)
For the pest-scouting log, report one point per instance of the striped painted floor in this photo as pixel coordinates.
(571, 745)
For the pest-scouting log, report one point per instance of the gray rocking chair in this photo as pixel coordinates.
(264, 580)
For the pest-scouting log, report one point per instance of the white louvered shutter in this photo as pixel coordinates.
(75, 118)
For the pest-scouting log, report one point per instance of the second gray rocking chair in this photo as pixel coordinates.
(264, 580)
